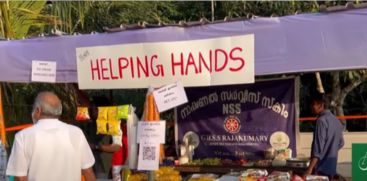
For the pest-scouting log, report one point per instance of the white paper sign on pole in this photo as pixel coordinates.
(43, 71)
(154, 131)
(170, 96)
(148, 155)
(204, 62)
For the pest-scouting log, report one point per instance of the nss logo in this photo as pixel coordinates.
(232, 124)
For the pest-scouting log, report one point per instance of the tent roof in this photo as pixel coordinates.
(288, 44)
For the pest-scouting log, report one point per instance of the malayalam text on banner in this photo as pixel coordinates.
(239, 121)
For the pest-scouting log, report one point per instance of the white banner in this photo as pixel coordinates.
(217, 61)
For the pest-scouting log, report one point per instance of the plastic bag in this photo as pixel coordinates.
(253, 174)
(114, 127)
(117, 139)
(122, 112)
(316, 178)
(82, 114)
(279, 176)
(102, 113)
(102, 126)
(112, 113)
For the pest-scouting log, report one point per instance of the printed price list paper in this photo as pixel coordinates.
(43, 71)
(152, 131)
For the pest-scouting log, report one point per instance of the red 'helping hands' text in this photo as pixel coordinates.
(217, 60)
(199, 62)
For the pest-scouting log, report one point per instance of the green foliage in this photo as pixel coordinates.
(16, 17)
(18, 102)
(354, 75)
(68, 15)
(88, 16)
(19, 97)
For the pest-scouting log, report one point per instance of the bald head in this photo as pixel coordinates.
(48, 105)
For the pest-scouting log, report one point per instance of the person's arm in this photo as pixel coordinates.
(87, 160)
(312, 166)
(89, 174)
(20, 178)
(18, 162)
(318, 146)
(109, 148)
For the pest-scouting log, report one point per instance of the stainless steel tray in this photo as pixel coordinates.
(298, 162)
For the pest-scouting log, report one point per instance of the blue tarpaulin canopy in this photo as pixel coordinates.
(288, 44)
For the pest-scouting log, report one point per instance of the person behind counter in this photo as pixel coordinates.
(327, 140)
(119, 151)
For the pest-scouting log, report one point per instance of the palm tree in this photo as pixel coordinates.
(17, 18)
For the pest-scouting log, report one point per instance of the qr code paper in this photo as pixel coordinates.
(149, 152)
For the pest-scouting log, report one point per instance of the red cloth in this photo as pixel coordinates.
(120, 156)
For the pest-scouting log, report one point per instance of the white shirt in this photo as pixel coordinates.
(50, 150)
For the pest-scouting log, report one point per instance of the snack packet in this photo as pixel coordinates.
(122, 112)
(82, 114)
(254, 173)
(279, 176)
(111, 113)
(102, 113)
(102, 126)
(114, 127)
(117, 139)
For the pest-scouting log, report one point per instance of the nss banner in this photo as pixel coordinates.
(239, 121)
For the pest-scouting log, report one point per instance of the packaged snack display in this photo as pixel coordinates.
(113, 127)
(102, 113)
(167, 174)
(316, 178)
(102, 126)
(112, 121)
(138, 177)
(107, 121)
(279, 176)
(122, 112)
(111, 113)
(117, 139)
(253, 175)
(82, 114)
(102, 120)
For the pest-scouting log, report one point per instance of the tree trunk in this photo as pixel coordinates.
(320, 87)
(339, 94)
(335, 104)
